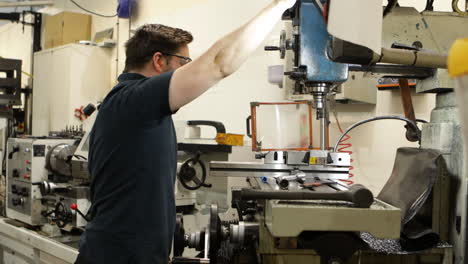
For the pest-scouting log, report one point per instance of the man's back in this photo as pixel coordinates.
(132, 162)
(133, 146)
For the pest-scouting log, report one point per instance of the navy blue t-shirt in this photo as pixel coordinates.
(132, 162)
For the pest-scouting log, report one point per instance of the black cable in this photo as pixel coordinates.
(390, 5)
(421, 121)
(80, 156)
(89, 11)
(408, 121)
(429, 5)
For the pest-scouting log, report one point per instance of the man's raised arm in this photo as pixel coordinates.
(225, 56)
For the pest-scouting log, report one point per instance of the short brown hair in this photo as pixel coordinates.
(151, 38)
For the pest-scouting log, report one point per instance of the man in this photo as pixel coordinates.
(132, 158)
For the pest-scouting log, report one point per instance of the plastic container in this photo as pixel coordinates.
(280, 126)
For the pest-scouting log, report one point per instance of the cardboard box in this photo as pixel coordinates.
(65, 28)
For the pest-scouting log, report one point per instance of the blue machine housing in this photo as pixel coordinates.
(313, 45)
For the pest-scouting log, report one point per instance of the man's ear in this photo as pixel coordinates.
(158, 62)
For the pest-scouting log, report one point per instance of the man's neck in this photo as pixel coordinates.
(140, 72)
(145, 72)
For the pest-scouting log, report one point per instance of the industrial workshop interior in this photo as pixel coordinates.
(246, 131)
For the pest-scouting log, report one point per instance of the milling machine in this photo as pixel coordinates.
(296, 206)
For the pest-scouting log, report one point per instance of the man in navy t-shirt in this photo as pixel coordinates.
(132, 157)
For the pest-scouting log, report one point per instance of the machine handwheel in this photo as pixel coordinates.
(63, 215)
(188, 174)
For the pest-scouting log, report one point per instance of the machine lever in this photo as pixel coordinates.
(220, 128)
(75, 208)
(272, 48)
(247, 124)
(404, 46)
(359, 195)
(405, 91)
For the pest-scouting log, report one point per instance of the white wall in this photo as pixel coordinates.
(208, 20)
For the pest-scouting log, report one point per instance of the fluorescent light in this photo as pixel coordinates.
(26, 3)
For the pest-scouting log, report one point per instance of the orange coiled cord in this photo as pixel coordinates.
(344, 147)
(345, 144)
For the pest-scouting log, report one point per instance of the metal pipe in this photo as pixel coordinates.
(28, 112)
(411, 123)
(357, 194)
(253, 114)
(421, 58)
(26, 3)
(283, 181)
(311, 143)
(324, 125)
(323, 133)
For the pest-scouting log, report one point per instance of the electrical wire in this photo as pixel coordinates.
(421, 121)
(91, 12)
(458, 10)
(390, 5)
(408, 121)
(25, 73)
(429, 5)
(80, 156)
(320, 6)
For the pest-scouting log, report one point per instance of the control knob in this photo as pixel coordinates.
(17, 201)
(285, 44)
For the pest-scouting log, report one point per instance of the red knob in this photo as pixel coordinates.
(74, 206)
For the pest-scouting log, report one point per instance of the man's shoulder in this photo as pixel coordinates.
(119, 89)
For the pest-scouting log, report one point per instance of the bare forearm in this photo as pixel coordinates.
(224, 57)
(231, 51)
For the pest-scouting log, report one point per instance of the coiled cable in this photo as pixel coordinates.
(408, 121)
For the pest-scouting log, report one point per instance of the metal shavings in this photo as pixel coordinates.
(391, 246)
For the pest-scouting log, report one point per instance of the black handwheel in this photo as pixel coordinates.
(179, 236)
(188, 174)
(62, 215)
